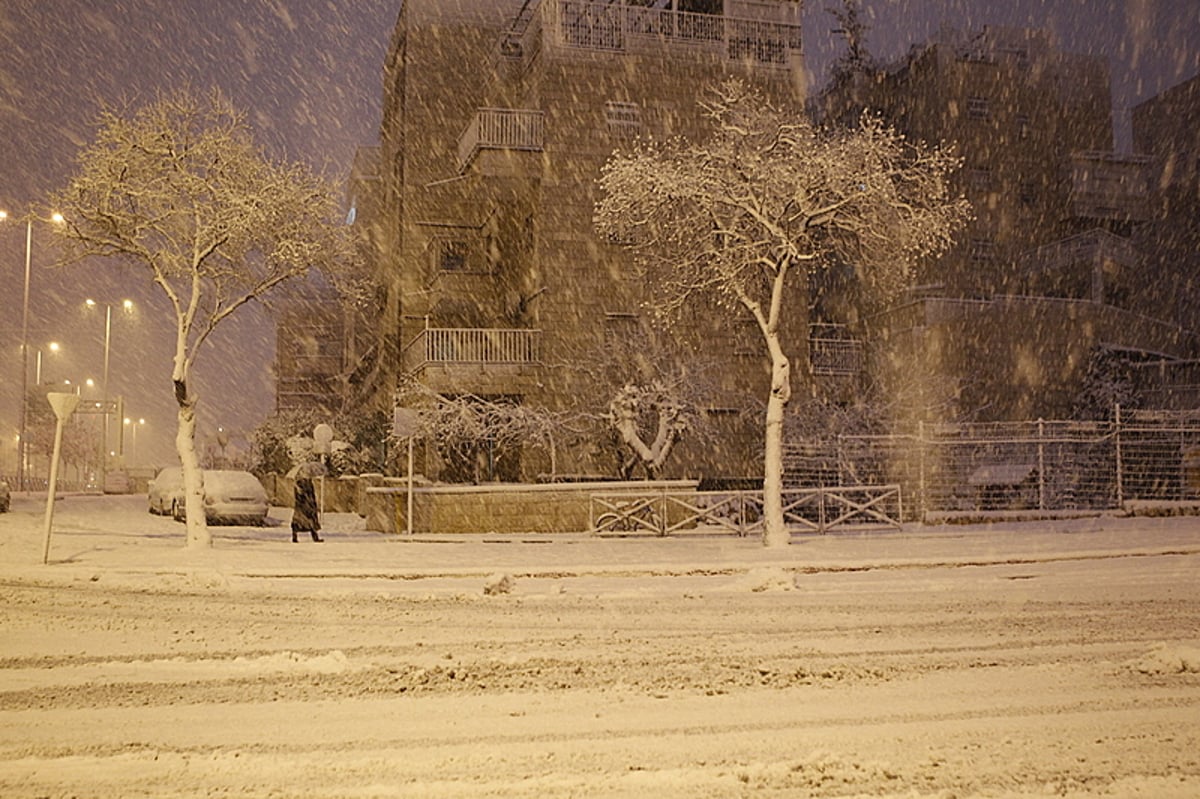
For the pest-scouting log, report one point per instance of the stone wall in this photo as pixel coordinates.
(502, 508)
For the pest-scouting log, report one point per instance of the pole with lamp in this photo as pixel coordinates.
(21, 442)
(133, 428)
(127, 307)
(53, 347)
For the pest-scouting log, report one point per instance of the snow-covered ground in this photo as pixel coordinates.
(1036, 659)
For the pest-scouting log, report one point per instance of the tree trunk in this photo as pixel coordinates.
(775, 533)
(198, 535)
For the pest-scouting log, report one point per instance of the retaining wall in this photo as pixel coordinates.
(501, 508)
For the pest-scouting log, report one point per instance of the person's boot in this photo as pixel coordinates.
(317, 538)
(294, 539)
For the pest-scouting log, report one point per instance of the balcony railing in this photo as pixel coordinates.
(1109, 186)
(835, 357)
(467, 345)
(501, 129)
(623, 28)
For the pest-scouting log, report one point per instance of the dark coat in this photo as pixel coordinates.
(304, 514)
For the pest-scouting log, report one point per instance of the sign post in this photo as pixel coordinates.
(405, 423)
(64, 406)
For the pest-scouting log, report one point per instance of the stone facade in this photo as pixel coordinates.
(1052, 269)
(497, 120)
(509, 509)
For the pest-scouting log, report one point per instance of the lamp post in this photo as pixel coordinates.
(127, 306)
(21, 444)
(54, 347)
(133, 428)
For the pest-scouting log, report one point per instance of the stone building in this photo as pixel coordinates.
(1164, 127)
(498, 115)
(1009, 323)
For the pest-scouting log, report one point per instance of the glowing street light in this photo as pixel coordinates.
(55, 348)
(127, 307)
(133, 427)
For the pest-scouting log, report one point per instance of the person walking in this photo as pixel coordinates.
(305, 515)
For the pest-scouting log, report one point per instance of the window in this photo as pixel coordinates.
(1028, 193)
(452, 255)
(1024, 126)
(978, 108)
(747, 338)
(624, 119)
(981, 181)
(982, 251)
(620, 328)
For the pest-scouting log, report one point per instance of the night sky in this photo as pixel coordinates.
(309, 74)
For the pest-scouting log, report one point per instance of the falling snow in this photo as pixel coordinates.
(1038, 659)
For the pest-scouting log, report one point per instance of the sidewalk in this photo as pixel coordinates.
(101, 537)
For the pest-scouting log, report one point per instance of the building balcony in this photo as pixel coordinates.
(501, 129)
(738, 35)
(1109, 187)
(479, 360)
(1079, 267)
(833, 353)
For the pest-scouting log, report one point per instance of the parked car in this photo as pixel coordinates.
(5, 497)
(229, 496)
(117, 482)
(164, 489)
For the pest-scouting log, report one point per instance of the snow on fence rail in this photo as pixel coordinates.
(819, 510)
(1151, 456)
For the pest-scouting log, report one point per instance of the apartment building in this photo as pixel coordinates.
(1008, 323)
(1164, 127)
(498, 116)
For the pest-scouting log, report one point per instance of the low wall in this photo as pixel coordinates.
(502, 507)
(345, 494)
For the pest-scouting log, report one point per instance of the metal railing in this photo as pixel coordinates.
(451, 345)
(835, 356)
(814, 510)
(501, 129)
(618, 28)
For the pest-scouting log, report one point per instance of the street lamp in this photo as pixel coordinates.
(133, 430)
(54, 347)
(127, 306)
(56, 218)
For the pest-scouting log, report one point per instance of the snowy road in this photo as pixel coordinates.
(1046, 669)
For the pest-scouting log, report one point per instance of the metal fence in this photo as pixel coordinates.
(1151, 456)
(815, 510)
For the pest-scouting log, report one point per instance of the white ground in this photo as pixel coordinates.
(1036, 659)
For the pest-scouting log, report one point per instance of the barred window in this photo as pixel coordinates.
(624, 119)
(452, 255)
(981, 181)
(978, 107)
(983, 251)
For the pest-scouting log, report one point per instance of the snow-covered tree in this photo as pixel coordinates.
(749, 216)
(179, 190)
(474, 434)
(643, 391)
(654, 409)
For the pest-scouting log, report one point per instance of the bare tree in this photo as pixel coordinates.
(643, 393)
(466, 428)
(856, 59)
(180, 191)
(748, 217)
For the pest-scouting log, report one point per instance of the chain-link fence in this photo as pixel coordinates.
(1041, 465)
